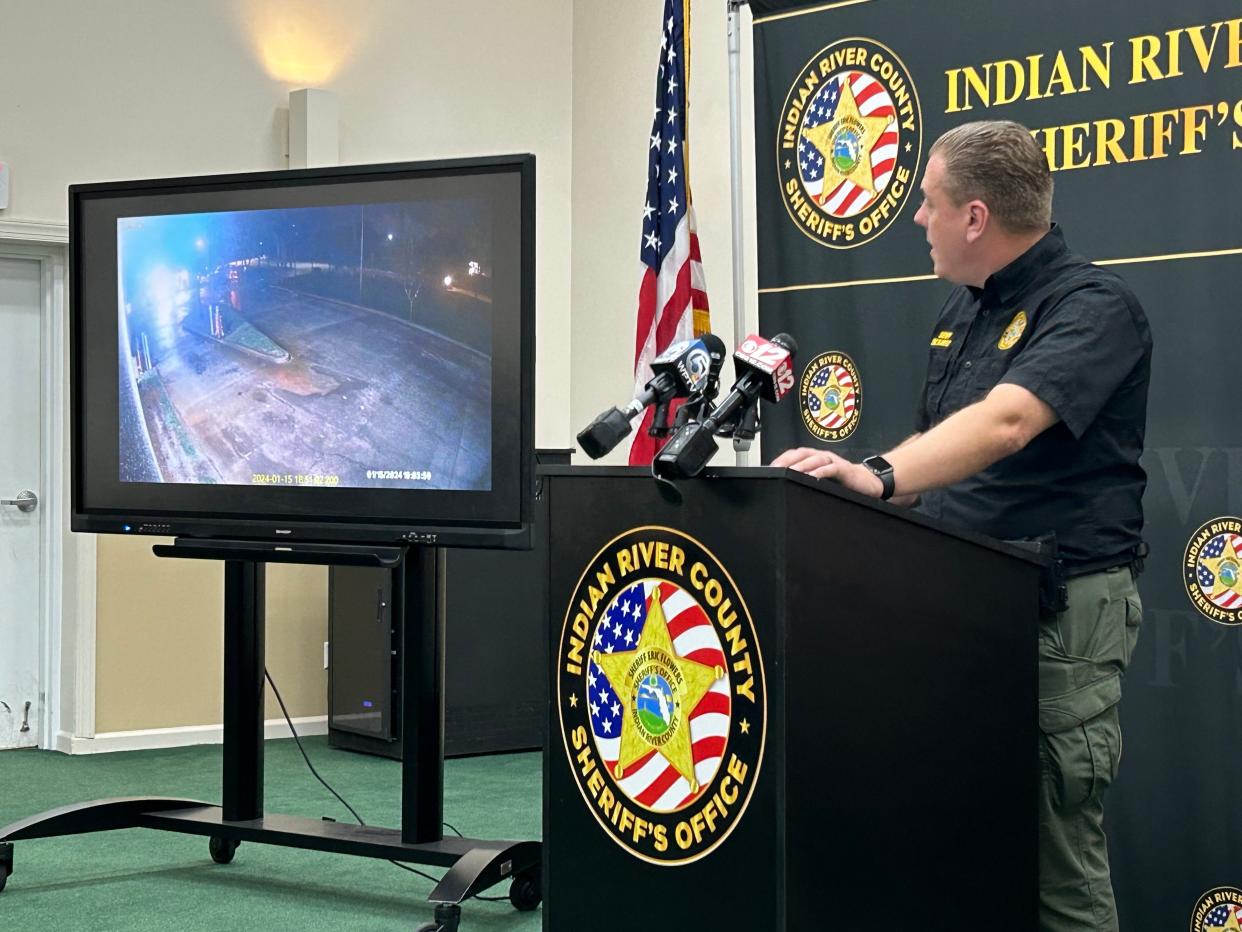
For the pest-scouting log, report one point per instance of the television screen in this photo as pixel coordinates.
(333, 354)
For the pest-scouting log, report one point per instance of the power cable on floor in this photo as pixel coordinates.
(405, 867)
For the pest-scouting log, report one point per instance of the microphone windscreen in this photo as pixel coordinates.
(714, 345)
(787, 341)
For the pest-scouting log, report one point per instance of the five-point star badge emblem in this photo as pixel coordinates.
(658, 690)
(846, 142)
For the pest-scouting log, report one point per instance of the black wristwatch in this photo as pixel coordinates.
(881, 467)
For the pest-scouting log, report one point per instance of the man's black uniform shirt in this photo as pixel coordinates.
(1075, 336)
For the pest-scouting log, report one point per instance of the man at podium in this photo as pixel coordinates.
(1031, 423)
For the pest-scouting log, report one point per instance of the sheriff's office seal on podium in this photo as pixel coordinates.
(1218, 909)
(661, 696)
(831, 396)
(1212, 570)
(848, 143)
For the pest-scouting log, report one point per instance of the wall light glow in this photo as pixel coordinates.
(304, 42)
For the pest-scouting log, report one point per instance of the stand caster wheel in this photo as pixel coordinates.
(448, 916)
(6, 863)
(222, 849)
(525, 892)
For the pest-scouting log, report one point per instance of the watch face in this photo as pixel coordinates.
(880, 467)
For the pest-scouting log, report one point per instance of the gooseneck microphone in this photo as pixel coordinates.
(765, 370)
(681, 371)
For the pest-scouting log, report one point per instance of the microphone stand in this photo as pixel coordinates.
(746, 428)
(659, 421)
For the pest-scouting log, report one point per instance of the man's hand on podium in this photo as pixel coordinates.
(822, 464)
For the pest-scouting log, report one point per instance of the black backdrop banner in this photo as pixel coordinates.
(764, 8)
(1139, 108)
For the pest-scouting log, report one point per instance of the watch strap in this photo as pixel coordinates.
(881, 468)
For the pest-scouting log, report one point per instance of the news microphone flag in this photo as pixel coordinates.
(672, 299)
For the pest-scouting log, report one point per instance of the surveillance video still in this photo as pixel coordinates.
(330, 346)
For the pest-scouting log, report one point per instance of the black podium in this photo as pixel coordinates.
(823, 710)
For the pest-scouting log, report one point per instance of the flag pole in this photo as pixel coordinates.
(735, 177)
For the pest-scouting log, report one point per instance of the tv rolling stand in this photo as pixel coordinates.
(473, 864)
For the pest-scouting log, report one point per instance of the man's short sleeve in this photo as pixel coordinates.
(1080, 351)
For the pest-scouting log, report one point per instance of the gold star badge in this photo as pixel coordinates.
(1225, 570)
(658, 690)
(846, 142)
(1230, 924)
(831, 395)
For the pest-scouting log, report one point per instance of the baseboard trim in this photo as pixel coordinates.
(186, 736)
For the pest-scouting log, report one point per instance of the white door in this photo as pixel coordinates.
(20, 529)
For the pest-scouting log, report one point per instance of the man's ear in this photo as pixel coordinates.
(977, 220)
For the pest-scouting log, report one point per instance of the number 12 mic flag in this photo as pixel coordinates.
(672, 299)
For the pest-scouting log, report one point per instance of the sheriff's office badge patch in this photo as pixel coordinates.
(1219, 908)
(831, 395)
(1212, 570)
(849, 143)
(661, 695)
(1013, 333)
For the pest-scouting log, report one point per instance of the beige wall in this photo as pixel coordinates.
(159, 640)
(148, 88)
(144, 88)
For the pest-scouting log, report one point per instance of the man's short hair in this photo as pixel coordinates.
(999, 163)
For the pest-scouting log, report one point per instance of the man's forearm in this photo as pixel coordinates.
(971, 440)
(905, 501)
(961, 445)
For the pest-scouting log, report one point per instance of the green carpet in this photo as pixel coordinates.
(139, 879)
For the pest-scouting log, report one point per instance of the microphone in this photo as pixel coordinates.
(765, 370)
(687, 363)
(698, 405)
(679, 372)
(716, 356)
(764, 367)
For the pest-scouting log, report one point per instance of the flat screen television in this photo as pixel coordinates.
(334, 355)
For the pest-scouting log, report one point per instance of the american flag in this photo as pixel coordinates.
(1230, 597)
(1219, 917)
(847, 397)
(672, 299)
(651, 780)
(847, 199)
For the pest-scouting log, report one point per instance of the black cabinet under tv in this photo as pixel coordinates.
(494, 604)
